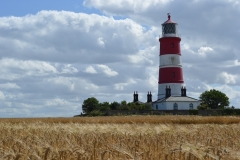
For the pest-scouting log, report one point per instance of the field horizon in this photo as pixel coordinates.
(152, 119)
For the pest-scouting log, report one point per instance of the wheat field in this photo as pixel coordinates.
(121, 138)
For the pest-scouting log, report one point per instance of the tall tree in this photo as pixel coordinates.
(89, 105)
(214, 99)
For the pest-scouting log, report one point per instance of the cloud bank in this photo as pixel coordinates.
(53, 60)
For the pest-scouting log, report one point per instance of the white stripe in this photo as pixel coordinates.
(170, 59)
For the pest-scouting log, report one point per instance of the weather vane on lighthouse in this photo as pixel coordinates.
(169, 16)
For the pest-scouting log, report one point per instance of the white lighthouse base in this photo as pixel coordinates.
(175, 89)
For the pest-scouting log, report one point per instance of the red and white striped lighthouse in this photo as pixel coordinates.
(170, 67)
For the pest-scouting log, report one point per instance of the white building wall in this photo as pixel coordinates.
(170, 105)
(160, 106)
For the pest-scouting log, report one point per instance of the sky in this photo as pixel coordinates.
(55, 54)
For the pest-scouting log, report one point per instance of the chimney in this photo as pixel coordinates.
(135, 96)
(168, 91)
(185, 91)
(149, 97)
(182, 91)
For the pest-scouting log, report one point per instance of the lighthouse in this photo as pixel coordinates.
(172, 93)
(170, 67)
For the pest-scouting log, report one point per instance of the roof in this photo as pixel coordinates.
(169, 20)
(177, 99)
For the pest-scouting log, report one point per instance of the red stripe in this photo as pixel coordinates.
(170, 75)
(170, 45)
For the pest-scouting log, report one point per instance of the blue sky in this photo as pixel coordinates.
(55, 54)
(24, 7)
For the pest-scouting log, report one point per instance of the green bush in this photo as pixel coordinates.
(96, 113)
(193, 112)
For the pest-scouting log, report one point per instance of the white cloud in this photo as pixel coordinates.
(61, 81)
(90, 69)
(108, 71)
(46, 56)
(204, 50)
(9, 86)
(2, 97)
(57, 102)
(8, 104)
(69, 69)
(186, 47)
(236, 62)
(91, 87)
(124, 6)
(153, 81)
(227, 78)
(119, 86)
(101, 42)
(30, 67)
(144, 56)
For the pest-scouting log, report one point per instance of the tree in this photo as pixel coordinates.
(214, 99)
(114, 105)
(132, 106)
(104, 106)
(123, 105)
(89, 105)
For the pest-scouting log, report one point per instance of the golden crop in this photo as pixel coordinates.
(115, 138)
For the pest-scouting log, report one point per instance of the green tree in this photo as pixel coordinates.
(214, 99)
(132, 106)
(89, 105)
(104, 106)
(202, 106)
(123, 105)
(114, 105)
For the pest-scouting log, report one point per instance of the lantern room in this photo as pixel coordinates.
(169, 28)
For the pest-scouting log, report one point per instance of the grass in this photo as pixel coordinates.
(130, 137)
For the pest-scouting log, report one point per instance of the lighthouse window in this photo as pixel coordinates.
(173, 74)
(156, 107)
(169, 28)
(175, 106)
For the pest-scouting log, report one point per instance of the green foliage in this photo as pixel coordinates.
(132, 106)
(92, 107)
(148, 106)
(145, 106)
(124, 106)
(114, 105)
(104, 106)
(96, 113)
(214, 99)
(231, 111)
(193, 112)
(202, 106)
(89, 105)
